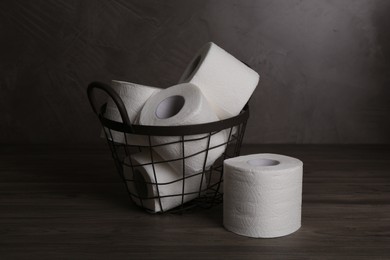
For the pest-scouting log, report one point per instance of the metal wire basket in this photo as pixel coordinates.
(190, 189)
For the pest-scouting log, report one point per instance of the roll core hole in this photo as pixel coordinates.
(170, 107)
(140, 184)
(193, 68)
(263, 162)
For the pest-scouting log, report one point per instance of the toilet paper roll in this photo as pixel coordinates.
(262, 195)
(169, 182)
(183, 104)
(226, 82)
(134, 97)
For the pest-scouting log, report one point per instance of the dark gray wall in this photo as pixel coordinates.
(324, 65)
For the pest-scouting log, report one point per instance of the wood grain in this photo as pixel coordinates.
(67, 202)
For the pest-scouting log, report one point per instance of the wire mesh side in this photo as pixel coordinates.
(191, 177)
(208, 180)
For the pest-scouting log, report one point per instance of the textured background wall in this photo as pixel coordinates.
(324, 65)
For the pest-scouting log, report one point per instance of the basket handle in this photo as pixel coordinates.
(115, 97)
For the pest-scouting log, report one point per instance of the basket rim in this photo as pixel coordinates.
(181, 130)
(129, 128)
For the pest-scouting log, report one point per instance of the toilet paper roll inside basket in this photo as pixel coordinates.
(149, 183)
(262, 195)
(226, 82)
(183, 104)
(134, 97)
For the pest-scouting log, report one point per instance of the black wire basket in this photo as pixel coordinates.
(152, 183)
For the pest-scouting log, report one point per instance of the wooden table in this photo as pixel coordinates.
(68, 202)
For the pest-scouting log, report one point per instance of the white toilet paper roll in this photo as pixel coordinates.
(134, 97)
(183, 104)
(226, 82)
(262, 195)
(169, 183)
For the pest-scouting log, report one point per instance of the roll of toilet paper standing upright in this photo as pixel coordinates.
(262, 195)
(167, 185)
(134, 97)
(183, 104)
(226, 82)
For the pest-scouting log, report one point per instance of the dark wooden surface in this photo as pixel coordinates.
(67, 202)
